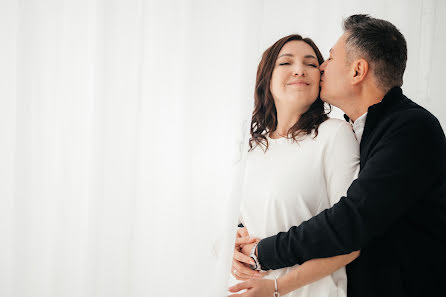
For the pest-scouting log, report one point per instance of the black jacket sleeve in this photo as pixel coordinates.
(402, 166)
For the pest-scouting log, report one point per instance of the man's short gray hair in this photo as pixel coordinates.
(381, 44)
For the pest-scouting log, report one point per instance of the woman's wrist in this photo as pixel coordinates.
(280, 286)
(285, 284)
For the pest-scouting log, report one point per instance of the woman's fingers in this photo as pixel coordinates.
(240, 278)
(239, 295)
(243, 271)
(240, 286)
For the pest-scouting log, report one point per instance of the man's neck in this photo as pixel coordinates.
(363, 100)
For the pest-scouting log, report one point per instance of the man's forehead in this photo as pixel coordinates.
(339, 44)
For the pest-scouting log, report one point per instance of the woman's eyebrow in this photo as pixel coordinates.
(285, 55)
(291, 55)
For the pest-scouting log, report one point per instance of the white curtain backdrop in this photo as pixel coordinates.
(123, 125)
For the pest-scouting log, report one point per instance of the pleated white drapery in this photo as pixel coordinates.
(121, 131)
(123, 125)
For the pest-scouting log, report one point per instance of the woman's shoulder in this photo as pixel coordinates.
(332, 125)
(338, 134)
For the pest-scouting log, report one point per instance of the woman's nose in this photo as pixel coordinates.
(299, 71)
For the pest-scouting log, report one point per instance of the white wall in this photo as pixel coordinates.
(421, 22)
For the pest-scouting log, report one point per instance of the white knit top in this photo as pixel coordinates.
(293, 182)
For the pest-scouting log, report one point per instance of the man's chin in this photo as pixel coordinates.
(325, 97)
(329, 99)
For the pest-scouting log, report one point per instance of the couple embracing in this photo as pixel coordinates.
(341, 208)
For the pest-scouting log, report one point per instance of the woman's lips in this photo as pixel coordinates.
(299, 83)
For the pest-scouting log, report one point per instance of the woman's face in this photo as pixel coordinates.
(296, 75)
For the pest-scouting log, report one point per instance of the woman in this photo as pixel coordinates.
(300, 162)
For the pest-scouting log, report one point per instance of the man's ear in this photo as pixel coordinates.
(360, 70)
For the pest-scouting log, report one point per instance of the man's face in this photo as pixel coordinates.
(335, 86)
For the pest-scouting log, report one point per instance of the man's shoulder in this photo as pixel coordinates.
(401, 123)
(407, 112)
(407, 121)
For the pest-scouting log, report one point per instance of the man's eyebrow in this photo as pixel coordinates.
(331, 51)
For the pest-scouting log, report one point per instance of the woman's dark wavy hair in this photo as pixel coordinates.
(264, 116)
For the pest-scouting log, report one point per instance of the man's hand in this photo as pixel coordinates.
(246, 249)
(240, 269)
(242, 232)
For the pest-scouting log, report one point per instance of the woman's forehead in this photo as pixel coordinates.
(296, 48)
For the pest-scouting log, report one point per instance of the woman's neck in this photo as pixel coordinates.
(286, 119)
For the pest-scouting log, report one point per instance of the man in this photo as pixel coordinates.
(395, 211)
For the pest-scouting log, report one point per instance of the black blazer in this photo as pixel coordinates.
(394, 212)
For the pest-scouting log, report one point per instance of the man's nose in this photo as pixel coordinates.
(322, 67)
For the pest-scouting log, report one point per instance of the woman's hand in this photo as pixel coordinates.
(254, 288)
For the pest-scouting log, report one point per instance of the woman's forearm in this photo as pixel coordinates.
(312, 271)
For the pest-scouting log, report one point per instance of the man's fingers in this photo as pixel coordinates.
(246, 248)
(243, 258)
(242, 232)
(244, 240)
(240, 286)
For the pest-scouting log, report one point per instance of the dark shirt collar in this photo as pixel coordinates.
(388, 98)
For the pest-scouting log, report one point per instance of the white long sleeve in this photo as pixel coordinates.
(341, 162)
(293, 182)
